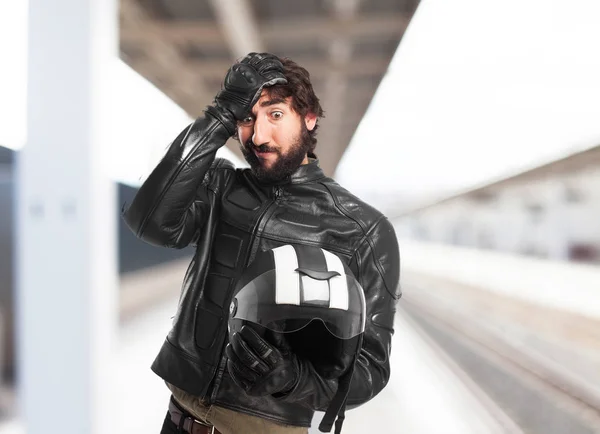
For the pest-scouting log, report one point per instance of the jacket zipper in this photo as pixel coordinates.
(223, 362)
(278, 193)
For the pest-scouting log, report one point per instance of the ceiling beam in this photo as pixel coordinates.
(239, 26)
(318, 29)
(374, 65)
(340, 54)
(164, 57)
(301, 30)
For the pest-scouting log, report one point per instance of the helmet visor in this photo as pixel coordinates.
(289, 303)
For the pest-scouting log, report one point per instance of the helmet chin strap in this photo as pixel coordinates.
(337, 407)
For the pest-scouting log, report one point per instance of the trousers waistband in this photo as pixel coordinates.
(190, 424)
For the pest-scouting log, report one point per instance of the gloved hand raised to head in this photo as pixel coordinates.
(243, 85)
(259, 367)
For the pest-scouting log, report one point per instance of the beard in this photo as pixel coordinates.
(284, 165)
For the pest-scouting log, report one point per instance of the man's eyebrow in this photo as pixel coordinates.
(272, 102)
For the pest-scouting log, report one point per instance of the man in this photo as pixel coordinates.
(229, 215)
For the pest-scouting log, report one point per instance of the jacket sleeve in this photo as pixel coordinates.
(378, 262)
(169, 208)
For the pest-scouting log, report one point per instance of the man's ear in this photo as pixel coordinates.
(311, 120)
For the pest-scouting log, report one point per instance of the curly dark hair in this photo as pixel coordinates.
(299, 87)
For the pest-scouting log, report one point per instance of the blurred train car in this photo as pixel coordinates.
(550, 211)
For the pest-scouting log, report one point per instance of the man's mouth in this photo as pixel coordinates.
(262, 153)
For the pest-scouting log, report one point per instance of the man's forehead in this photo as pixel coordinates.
(267, 99)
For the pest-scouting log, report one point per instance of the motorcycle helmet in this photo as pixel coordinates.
(309, 295)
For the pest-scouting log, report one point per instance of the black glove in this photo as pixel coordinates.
(259, 367)
(244, 83)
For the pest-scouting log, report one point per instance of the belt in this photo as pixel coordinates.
(190, 425)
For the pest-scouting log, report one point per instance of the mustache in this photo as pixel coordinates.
(261, 148)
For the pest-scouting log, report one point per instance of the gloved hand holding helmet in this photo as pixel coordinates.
(243, 85)
(259, 367)
(291, 299)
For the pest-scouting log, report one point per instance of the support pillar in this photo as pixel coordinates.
(66, 272)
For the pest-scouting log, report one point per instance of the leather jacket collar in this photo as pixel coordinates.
(307, 172)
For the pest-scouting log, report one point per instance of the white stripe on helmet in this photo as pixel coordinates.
(338, 285)
(287, 280)
(287, 283)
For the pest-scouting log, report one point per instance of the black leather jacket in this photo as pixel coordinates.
(193, 198)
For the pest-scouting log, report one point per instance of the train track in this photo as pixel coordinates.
(537, 393)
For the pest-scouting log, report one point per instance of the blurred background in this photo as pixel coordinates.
(473, 124)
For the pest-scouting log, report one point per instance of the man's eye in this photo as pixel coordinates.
(277, 115)
(248, 120)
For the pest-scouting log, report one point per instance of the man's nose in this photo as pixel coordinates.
(262, 133)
